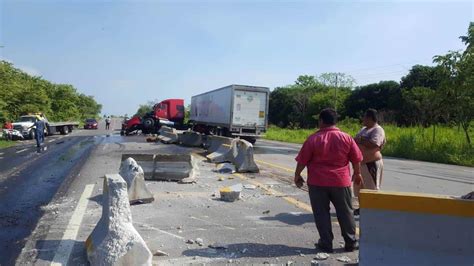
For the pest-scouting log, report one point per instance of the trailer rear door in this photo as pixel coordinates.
(249, 108)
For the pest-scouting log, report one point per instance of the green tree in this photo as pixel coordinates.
(423, 76)
(457, 89)
(144, 108)
(384, 96)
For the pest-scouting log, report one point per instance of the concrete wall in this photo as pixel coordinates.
(415, 229)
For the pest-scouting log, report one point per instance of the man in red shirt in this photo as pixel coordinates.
(327, 154)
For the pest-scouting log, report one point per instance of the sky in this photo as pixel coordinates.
(126, 53)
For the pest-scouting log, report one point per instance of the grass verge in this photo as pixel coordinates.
(448, 146)
(6, 144)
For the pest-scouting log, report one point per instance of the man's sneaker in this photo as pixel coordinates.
(323, 248)
(357, 212)
(351, 247)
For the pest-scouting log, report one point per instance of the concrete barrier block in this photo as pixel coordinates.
(190, 139)
(415, 229)
(242, 153)
(146, 162)
(114, 240)
(133, 174)
(221, 155)
(168, 135)
(167, 167)
(214, 142)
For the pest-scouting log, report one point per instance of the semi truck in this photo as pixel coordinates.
(231, 111)
(25, 126)
(169, 112)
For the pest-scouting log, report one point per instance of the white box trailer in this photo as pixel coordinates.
(235, 110)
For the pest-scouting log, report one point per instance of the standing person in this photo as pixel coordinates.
(327, 154)
(371, 139)
(8, 126)
(39, 132)
(107, 123)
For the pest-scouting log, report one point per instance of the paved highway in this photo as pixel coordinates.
(31, 178)
(399, 174)
(41, 192)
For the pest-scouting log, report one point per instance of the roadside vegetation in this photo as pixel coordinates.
(21, 93)
(428, 115)
(6, 144)
(449, 145)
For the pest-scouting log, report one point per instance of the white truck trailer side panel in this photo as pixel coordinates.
(249, 108)
(213, 107)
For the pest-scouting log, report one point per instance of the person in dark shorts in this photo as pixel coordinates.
(371, 140)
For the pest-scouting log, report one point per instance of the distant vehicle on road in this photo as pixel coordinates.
(232, 111)
(91, 123)
(169, 112)
(25, 126)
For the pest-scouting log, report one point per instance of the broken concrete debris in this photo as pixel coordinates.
(160, 253)
(199, 241)
(251, 187)
(266, 212)
(231, 193)
(190, 241)
(225, 168)
(322, 256)
(343, 259)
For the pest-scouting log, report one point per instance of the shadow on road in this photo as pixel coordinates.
(250, 250)
(291, 218)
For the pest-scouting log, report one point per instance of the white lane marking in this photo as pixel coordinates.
(1, 153)
(66, 245)
(51, 140)
(159, 230)
(1, 157)
(21, 150)
(209, 222)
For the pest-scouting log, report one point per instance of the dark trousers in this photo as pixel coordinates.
(341, 198)
(107, 126)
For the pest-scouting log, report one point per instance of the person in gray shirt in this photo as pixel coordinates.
(371, 140)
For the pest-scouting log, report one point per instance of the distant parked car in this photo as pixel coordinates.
(90, 123)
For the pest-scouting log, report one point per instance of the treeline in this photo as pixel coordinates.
(21, 93)
(426, 96)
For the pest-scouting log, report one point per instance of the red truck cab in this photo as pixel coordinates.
(169, 112)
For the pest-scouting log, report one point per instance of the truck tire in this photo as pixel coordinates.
(31, 135)
(148, 123)
(65, 130)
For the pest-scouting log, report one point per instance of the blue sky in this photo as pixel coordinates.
(127, 53)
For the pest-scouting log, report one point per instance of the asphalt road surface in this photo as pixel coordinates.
(40, 194)
(31, 178)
